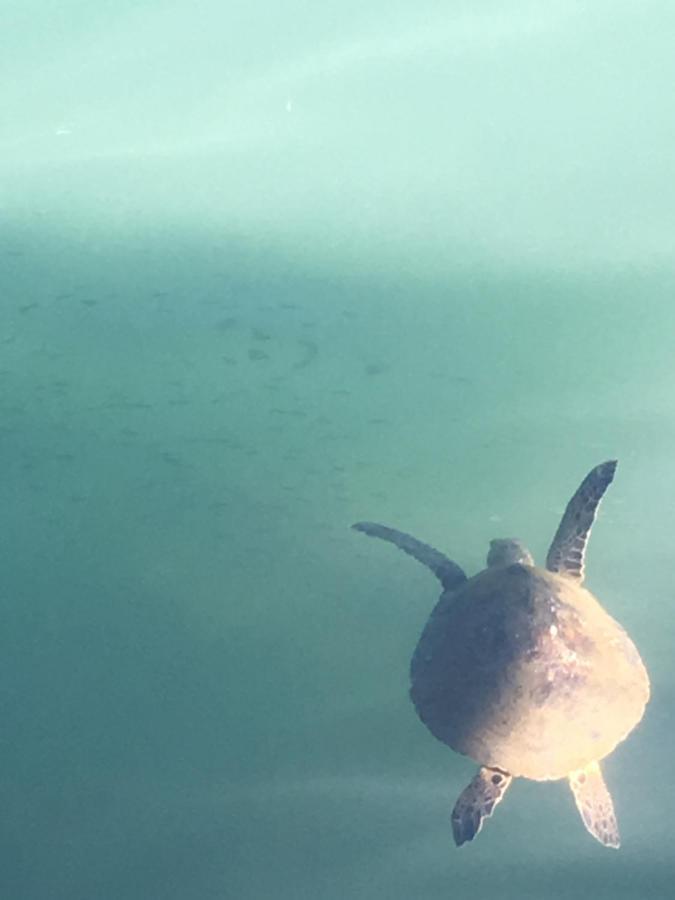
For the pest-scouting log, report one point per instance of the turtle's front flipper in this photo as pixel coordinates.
(448, 573)
(595, 806)
(569, 544)
(477, 802)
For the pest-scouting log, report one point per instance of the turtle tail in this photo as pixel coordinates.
(448, 572)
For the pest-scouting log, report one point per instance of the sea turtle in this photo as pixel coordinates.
(522, 670)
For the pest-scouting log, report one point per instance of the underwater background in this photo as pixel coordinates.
(267, 269)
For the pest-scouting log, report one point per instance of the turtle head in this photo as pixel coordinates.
(507, 552)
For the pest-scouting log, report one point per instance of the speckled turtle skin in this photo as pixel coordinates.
(523, 670)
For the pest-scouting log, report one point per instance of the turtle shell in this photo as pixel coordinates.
(523, 670)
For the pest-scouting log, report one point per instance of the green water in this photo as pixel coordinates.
(267, 270)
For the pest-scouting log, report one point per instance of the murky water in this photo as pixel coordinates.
(265, 273)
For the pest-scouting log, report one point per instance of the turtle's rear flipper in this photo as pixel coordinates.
(448, 573)
(477, 802)
(595, 806)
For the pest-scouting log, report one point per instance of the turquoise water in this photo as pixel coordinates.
(265, 272)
